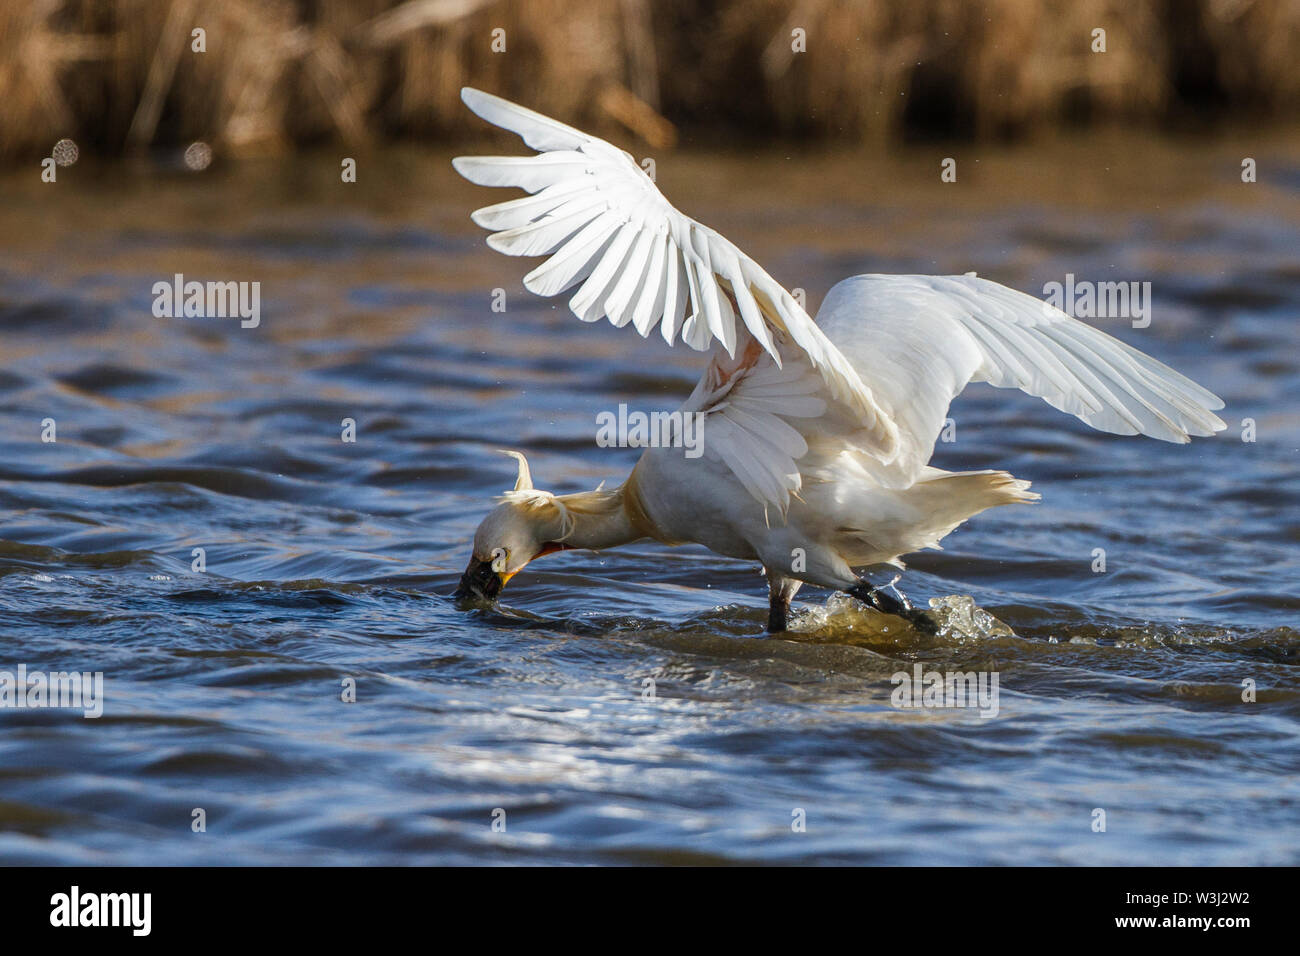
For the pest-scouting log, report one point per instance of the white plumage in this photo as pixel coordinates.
(817, 435)
(604, 224)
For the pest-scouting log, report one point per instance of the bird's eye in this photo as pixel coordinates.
(499, 560)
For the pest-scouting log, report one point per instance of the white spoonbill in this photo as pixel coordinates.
(816, 436)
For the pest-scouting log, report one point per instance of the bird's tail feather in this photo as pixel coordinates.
(950, 499)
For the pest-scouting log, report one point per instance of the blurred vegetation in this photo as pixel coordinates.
(278, 74)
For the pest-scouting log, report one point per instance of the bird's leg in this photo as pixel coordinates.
(886, 603)
(778, 611)
(780, 591)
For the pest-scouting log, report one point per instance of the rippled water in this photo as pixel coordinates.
(329, 560)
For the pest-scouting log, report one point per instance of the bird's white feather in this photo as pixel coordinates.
(641, 262)
(919, 340)
(758, 414)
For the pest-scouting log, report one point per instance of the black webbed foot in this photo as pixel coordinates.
(899, 606)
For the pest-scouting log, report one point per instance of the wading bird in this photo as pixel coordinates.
(817, 435)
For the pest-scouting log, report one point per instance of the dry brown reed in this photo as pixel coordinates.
(276, 74)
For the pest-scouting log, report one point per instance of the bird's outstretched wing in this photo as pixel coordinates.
(919, 340)
(604, 224)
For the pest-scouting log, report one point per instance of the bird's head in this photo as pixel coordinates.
(527, 524)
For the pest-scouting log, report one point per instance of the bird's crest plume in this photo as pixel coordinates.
(535, 499)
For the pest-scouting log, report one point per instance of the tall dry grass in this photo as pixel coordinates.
(120, 74)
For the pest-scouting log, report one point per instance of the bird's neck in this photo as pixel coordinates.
(606, 519)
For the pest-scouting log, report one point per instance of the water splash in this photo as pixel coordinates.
(958, 616)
